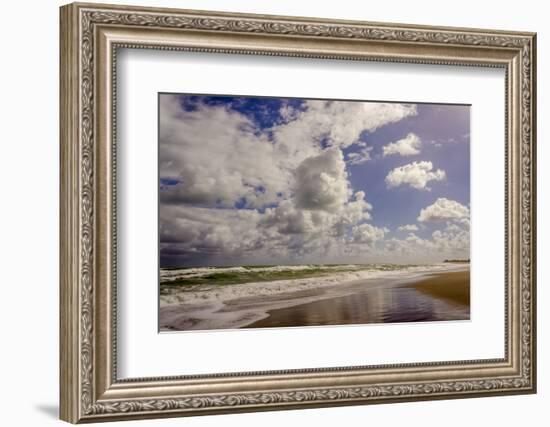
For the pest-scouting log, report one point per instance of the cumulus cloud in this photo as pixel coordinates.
(314, 220)
(416, 174)
(321, 182)
(408, 146)
(234, 191)
(189, 234)
(353, 212)
(367, 234)
(452, 242)
(408, 227)
(333, 123)
(344, 122)
(286, 218)
(192, 234)
(444, 209)
(217, 157)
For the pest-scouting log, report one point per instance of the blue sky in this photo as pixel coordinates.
(251, 180)
(435, 124)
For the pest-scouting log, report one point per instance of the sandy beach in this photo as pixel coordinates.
(451, 286)
(343, 296)
(418, 301)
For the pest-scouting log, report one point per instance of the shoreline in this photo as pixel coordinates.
(189, 294)
(325, 312)
(248, 305)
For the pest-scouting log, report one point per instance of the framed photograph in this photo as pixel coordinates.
(266, 212)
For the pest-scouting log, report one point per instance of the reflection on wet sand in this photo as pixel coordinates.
(377, 305)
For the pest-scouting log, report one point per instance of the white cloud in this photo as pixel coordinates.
(191, 233)
(367, 234)
(338, 124)
(359, 157)
(286, 218)
(444, 209)
(454, 242)
(352, 213)
(416, 174)
(218, 157)
(408, 227)
(408, 146)
(449, 243)
(321, 182)
(291, 178)
(278, 234)
(289, 220)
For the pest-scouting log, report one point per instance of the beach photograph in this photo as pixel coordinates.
(290, 212)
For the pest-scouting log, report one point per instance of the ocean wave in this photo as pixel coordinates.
(204, 294)
(185, 273)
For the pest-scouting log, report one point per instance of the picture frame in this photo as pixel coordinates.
(91, 35)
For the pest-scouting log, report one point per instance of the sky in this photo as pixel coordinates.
(258, 180)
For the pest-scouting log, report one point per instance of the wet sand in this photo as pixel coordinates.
(453, 287)
(437, 297)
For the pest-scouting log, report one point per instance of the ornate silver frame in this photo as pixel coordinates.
(90, 36)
